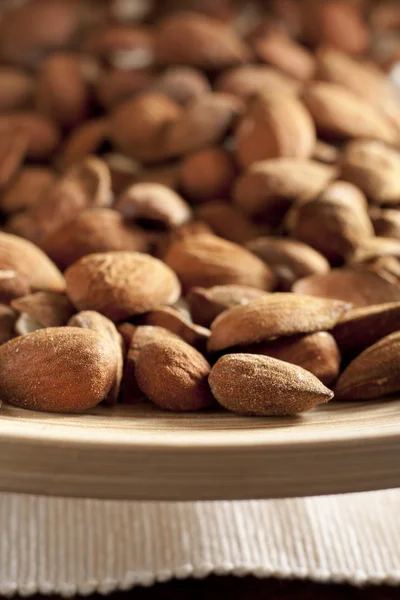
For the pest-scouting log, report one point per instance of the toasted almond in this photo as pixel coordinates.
(182, 84)
(259, 385)
(121, 284)
(27, 189)
(12, 285)
(207, 260)
(227, 221)
(7, 323)
(213, 45)
(316, 352)
(25, 258)
(207, 303)
(66, 369)
(171, 319)
(273, 316)
(283, 178)
(207, 173)
(249, 80)
(153, 203)
(279, 50)
(362, 327)
(374, 373)
(289, 259)
(174, 375)
(90, 319)
(47, 309)
(94, 230)
(360, 287)
(273, 126)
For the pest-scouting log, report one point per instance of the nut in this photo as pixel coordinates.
(207, 173)
(172, 320)
(12, 285)
(41, 310)
(227, 221)
(249, 80)
(26, 189)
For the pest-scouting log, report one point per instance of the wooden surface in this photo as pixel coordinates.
(140, 452)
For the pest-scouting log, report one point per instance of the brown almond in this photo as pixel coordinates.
(90, 319)
(374, 168)
(83, 140)
(362, 327)
(336, 223)
(44, 309)
(121, 284)
(174, 375)
(7, 323)
(386, 222)
(212, 45)
(208, 173)
(126, 330)
(117, 85)
(244, 82)
(206, 260)
(279, 50)
(280, 181)
(340, 114)
(171, 319)
(154, 204)
(66, 369)
(182, 84)
(122, 46)
(273, 126)
(42, 135)
(248, 384)
(12, 285)
(326, 153)
(370, 249)
(167, 174)
(94, 230)
(13, 145)
(289, 259)
(26, 189)
(29, 261)
(360, 287)
(207, 303)
(315, 352)
(273, 316)
(227, 221)
(16, 89)
(374, 373)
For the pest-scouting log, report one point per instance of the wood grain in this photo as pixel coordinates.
(139, 452)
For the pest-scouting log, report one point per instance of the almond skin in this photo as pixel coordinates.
(248, 384)
(66, 370)
(174, 375)
(362, 327)
(274, 126)
(207, 303)
(359, 287)
(273, 316)
(374, 373)
(207, 260)
(315, 352)
(26, 259)
(121, 284)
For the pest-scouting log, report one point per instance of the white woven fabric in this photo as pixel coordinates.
(69, 546)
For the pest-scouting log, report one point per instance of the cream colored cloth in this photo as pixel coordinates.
(69, 546)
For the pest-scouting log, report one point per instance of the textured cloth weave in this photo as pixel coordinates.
(69, 546)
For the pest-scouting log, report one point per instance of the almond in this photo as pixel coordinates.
(26, 189)
(123, 46)
(42, 309)
(155, 204)
(27, 260)
(277, 49)
(373, 248)
(7, 323)
(13, 146)
(340, 114)
(42, 135)
(386, 223)
(362, 327)
(326, 153)
(249, 80)
(227, 221)
(83, 140)
(374, 373)
(115, 86)
(167, 174)
(174, 375)
(96, 322)
(66, 370)
(207, 303)
(273, 316)
(183, 84)
(94, 230)
(12, 285)
(274, 126)
(286, 179)
(335, 223)
(259, 385)
(289, 259)
(207, 260)
(16, 88)
(121, 284)
(316, 352)
(172, 320)
(207, 173)
(213, 45)
(360, 287)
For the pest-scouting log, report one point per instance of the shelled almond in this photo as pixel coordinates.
(199, 206)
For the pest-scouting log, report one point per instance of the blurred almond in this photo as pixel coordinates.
(386, 223)
(7, 323)
(172, 320)
(122, 46)
(248, 384)
(12, 285)
(272, 316)
(26, 189)
(359, 287)
(227, 221)
(84, 140)
(325, 153)
(207, 173)
(374, 373)
(370, 249)
(207, 260)
(115, 86)
(16, 89)
(244, 82)
(289, 259)
(183, 84)
(13, 144)
(121, 284)
(167, 175)
(42, 135)
(279, 50)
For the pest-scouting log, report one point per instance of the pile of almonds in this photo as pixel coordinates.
(200, 203)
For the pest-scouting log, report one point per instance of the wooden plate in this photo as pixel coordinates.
(139, 452)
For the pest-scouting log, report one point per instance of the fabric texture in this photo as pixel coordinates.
(70, 546)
